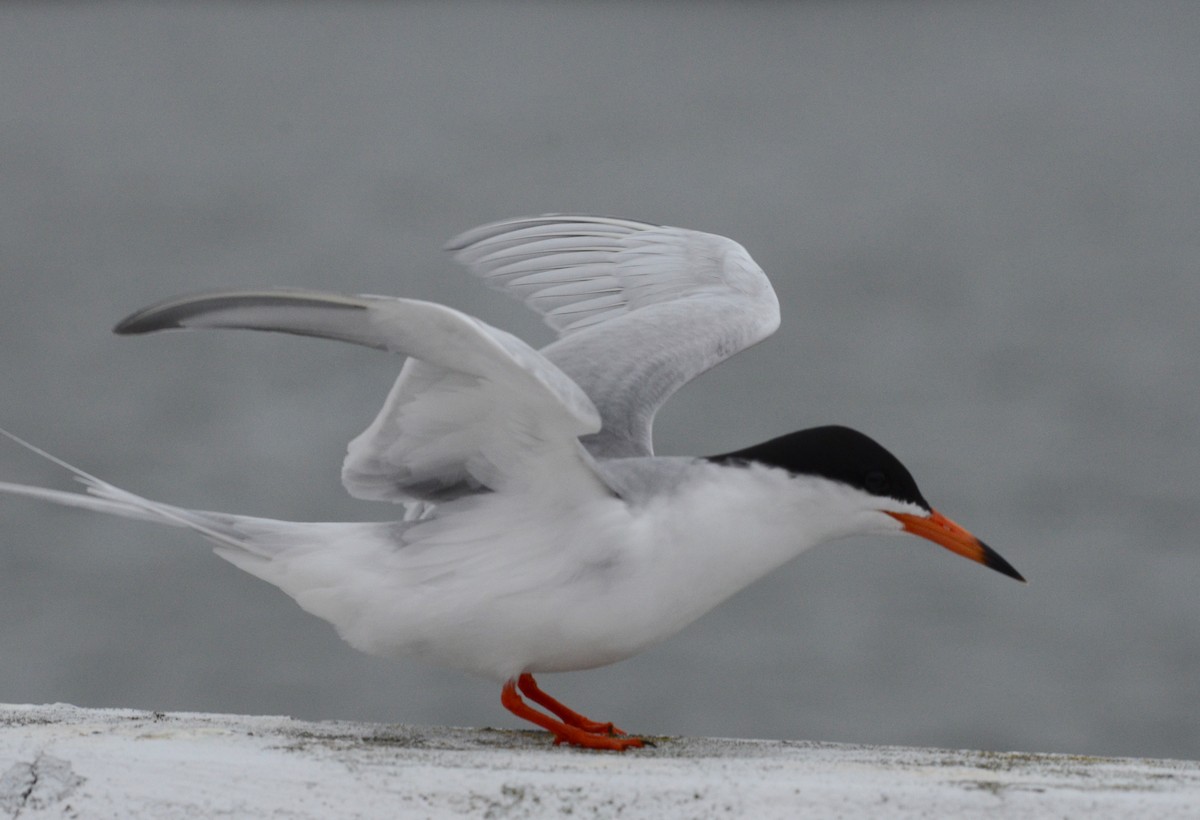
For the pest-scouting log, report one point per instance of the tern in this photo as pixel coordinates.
(540, 532)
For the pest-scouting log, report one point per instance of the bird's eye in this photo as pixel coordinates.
(875, 482)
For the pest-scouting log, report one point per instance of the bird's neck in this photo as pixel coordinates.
(714, 529)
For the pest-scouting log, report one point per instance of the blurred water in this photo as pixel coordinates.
(980, 219)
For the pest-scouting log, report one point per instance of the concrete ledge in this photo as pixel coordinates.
(63, 761)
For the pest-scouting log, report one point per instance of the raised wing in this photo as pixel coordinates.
(640, 309)
(474, 407)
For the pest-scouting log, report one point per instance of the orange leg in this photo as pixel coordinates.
(563, 732)
(567, 715)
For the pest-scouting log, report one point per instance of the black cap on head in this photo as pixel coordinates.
(836, 453)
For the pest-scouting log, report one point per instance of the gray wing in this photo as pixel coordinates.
(640, 309)
(474, 407)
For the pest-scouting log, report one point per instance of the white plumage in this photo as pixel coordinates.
(542, 533)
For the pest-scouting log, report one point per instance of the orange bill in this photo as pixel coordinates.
(941, 530)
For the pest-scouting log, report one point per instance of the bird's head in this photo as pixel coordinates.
(885, 495)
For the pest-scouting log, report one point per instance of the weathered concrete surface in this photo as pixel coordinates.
(63, 761)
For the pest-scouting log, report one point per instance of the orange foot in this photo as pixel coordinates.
(572, 728)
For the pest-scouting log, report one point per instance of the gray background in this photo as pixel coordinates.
(981, 220)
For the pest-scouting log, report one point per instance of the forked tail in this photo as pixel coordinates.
(337, 571)
(220, 528)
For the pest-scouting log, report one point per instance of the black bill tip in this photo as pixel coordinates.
(993, 560)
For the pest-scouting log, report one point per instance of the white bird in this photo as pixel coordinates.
(541, 532)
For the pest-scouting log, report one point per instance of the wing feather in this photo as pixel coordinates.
(640, 309)
(474, 407)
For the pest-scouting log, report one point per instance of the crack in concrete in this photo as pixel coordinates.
(37, 785)
(16, 784)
